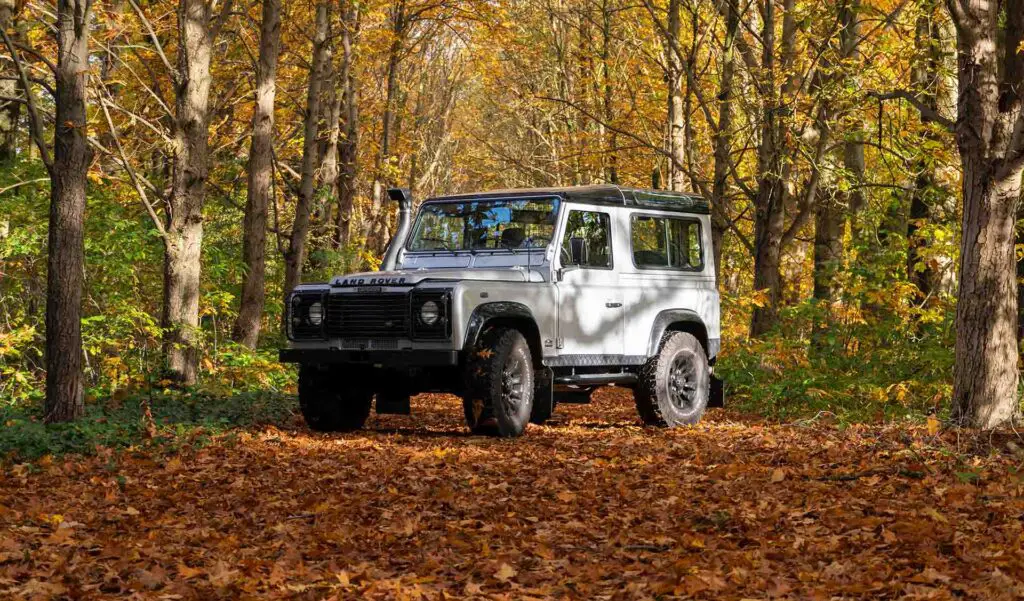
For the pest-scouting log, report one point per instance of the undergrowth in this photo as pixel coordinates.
(179, 418)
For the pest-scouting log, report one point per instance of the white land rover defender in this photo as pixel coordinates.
(517, 300)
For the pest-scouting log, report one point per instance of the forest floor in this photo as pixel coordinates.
(590, 506)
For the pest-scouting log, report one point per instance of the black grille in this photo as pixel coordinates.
(368, 315)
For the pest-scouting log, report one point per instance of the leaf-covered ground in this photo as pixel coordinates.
(591, 506)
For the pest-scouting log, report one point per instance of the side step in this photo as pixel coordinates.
(597, 379)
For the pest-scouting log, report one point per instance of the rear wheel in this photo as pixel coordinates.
(330, 405)
(674, 384)
(500, 386)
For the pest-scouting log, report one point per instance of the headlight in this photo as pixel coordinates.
(429, 313)
(316, 313)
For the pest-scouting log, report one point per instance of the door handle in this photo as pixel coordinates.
(612, 305)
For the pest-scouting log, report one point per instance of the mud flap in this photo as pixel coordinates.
(543, 396)
(717, 396)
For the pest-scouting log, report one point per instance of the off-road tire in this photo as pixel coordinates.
(674, 384)
(500, 384)
(330, 405)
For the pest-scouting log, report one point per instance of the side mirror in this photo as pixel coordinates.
(577, 251)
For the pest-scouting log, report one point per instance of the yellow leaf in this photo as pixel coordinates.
(505, 572)
(778, 475)
(933, 425)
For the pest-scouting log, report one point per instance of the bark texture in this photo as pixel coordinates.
(723, 136)
(66, 260)
(990, 138)
(676, 111)
(348, 143)
(769, 205)
(924, 80)
(260, 179)
(190, 166)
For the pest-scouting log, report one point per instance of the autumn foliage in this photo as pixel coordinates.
(590, 506)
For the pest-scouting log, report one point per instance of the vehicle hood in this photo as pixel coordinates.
(411, 277)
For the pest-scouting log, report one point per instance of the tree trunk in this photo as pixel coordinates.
(611, 166)
(66, 254)
(260, 179)
(723, 137)
(296, 254)
(375, 229)
(9, 110)
(923, 80)
(676, 111)
(988, 132)
(348, 145)
(985, 376)
(769, 205)
(188, 192)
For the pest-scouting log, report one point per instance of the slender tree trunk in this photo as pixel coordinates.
(9, 110)
(66, 255)
(676, 110)
(923, 81)
(611, 167)
(769, 214)
(723, 137)
(260, 179)
(376, 227)
(296, 254)
(988, 132)
(182, 260)
(349, 143)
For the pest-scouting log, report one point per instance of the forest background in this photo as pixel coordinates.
(228, 150)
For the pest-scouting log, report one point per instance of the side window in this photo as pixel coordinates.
(666, 243)
(587, 241)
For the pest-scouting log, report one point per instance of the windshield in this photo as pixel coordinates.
(485, 224)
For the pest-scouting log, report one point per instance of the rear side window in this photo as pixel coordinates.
(666, 243)
(591, 232)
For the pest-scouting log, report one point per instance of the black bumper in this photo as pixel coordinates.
(400, 359)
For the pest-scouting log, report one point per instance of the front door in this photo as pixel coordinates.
(590, 312)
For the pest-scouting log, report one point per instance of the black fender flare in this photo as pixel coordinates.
(488, 312)
(668, 317)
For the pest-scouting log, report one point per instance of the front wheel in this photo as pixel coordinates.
(329, 404)
(500, 385)
(674, 384)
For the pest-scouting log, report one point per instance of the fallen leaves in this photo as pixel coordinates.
(591, 506)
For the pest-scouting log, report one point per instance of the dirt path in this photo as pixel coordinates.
(589, 507)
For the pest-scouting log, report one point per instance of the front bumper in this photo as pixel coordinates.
(400, 359)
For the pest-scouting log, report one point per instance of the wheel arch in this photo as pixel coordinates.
(504, 314)
(678, 320)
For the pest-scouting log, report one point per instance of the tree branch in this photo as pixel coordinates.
(926, 111)
(35, 125)
(131, 172)
(156, 41)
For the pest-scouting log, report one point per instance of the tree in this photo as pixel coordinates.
(67, 169)
(295, 254)
(260, 176)
(197, 30)
(990, 138)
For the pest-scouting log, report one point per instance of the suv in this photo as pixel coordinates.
(517, 300)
